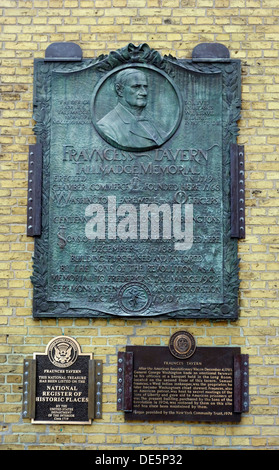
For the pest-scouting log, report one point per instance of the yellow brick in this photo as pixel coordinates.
(131, 439)
(136, 428)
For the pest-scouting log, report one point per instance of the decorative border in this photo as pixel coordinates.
(230, 71)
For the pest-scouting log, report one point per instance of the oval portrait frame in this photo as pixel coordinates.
(165, 96)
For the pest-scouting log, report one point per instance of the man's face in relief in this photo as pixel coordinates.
(134, 92)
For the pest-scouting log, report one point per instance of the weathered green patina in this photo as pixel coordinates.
(121, 133)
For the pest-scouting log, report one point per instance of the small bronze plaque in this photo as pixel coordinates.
(182, 345)
(61, 388)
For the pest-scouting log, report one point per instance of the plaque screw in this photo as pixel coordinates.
(120, 360)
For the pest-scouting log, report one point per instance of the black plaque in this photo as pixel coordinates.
(136, 190)
(60, 385)
(200, 388)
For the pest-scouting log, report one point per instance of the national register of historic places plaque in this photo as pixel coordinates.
(63, 385)
(136, 204)
(155, 385)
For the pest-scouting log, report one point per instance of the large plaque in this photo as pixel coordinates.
(63, 385)
(181, 382)
(136, 187)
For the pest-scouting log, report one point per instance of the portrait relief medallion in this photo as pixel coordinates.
(136, 107)
(182, 345)
(63, 351)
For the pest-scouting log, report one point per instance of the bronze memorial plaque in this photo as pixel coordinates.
(63, 385)
(210, 385)
(136, 201)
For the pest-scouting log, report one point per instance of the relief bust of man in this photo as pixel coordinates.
(128, 124)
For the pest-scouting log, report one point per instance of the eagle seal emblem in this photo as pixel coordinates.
(63, 351)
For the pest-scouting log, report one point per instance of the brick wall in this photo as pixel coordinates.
(250, 30)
